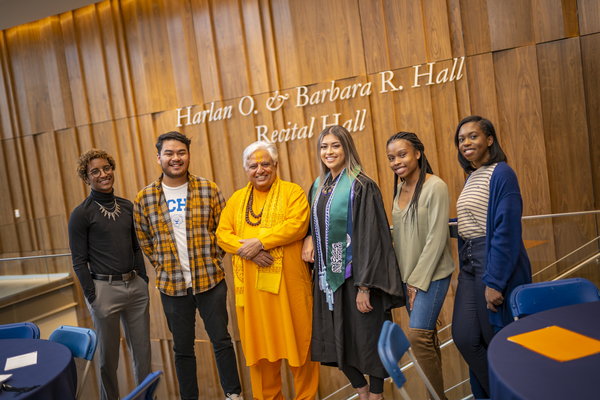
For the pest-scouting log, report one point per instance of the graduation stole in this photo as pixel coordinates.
(333, 259)
(268, 279)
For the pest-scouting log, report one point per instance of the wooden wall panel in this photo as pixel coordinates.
(206, 43)
(268, 30)
(50, 178)
(93, 71)
(555, 19)
(6, 102)
(399, 34)
(114, 74)
(135, 56)
(315, 33)
(78, 96)
(522, 136)
(305, 29)
(589, 16)
(56, 71)
(182, 41)
(374, 35)
(456, 33)
(17, 186)
(405, 36)
(511, 23)
(218, 139)
(147, 140)
(590, 48)
(239, 133)
(255, 50)
(445, 110)
(19, 92)
(385, 124)
(482, 87)
(301, 170)
(437, 30)
(566, 133)
(35, 80)
(8, 231)
(113, 63)
(229, 42)
(476, 26)
(150, 54)
(201, 162)
(125, 156)
(68, 154)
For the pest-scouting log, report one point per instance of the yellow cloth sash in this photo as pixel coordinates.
(268, 279)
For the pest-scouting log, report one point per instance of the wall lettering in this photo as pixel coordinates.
(424, 75)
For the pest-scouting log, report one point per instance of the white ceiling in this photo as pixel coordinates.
(17, 12)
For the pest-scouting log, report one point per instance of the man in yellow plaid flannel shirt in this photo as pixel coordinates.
(176, 218)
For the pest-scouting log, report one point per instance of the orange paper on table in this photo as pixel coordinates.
(558, 343)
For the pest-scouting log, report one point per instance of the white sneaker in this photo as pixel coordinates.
(233, 396)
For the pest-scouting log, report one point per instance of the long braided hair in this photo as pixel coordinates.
(423, 165)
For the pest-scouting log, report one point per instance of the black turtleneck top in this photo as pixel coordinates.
(102, 245)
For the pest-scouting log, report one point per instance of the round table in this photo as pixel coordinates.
(53, 377)
(519, 373)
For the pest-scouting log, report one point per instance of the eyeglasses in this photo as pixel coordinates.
(96, 172)
(265, 165)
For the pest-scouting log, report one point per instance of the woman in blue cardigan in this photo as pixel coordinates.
(492, 255)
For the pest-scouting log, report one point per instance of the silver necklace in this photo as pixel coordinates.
(114, 213)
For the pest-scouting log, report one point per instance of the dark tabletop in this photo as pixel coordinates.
(53, 377)
(519, 373)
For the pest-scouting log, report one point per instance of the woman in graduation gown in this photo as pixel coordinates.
(356, 277)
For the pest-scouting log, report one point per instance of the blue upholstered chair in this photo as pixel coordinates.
(146, 389)
(392, 345)
(82, 342)
(20, 330)
(535, 297)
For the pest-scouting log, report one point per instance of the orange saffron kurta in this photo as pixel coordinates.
(273, 326)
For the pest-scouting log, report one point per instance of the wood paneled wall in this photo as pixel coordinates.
(113, 75)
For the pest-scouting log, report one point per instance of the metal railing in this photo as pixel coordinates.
(35, 257)
(595, 257)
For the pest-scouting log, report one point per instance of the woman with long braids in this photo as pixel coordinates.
(356, 277)
(492, 255)
(422, 244)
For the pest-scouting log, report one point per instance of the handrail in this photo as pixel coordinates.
(595, 257)
(569, 214)
(564, 257)
(35, 257)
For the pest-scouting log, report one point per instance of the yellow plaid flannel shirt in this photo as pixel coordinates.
(155, 233)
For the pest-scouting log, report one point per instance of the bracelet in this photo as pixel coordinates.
(412, 289)
(366, 291)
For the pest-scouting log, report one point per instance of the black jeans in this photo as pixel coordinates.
(181, 319)
(472, 330)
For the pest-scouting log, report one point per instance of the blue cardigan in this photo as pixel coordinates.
(507, 263)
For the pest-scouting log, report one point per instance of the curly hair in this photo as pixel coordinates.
(85, 159)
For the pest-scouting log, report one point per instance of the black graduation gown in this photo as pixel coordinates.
(345, 336)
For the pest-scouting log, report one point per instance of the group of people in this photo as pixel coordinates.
(315, 276)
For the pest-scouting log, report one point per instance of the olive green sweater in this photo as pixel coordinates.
(424, 254)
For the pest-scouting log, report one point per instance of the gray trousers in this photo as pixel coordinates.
(129, 303)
